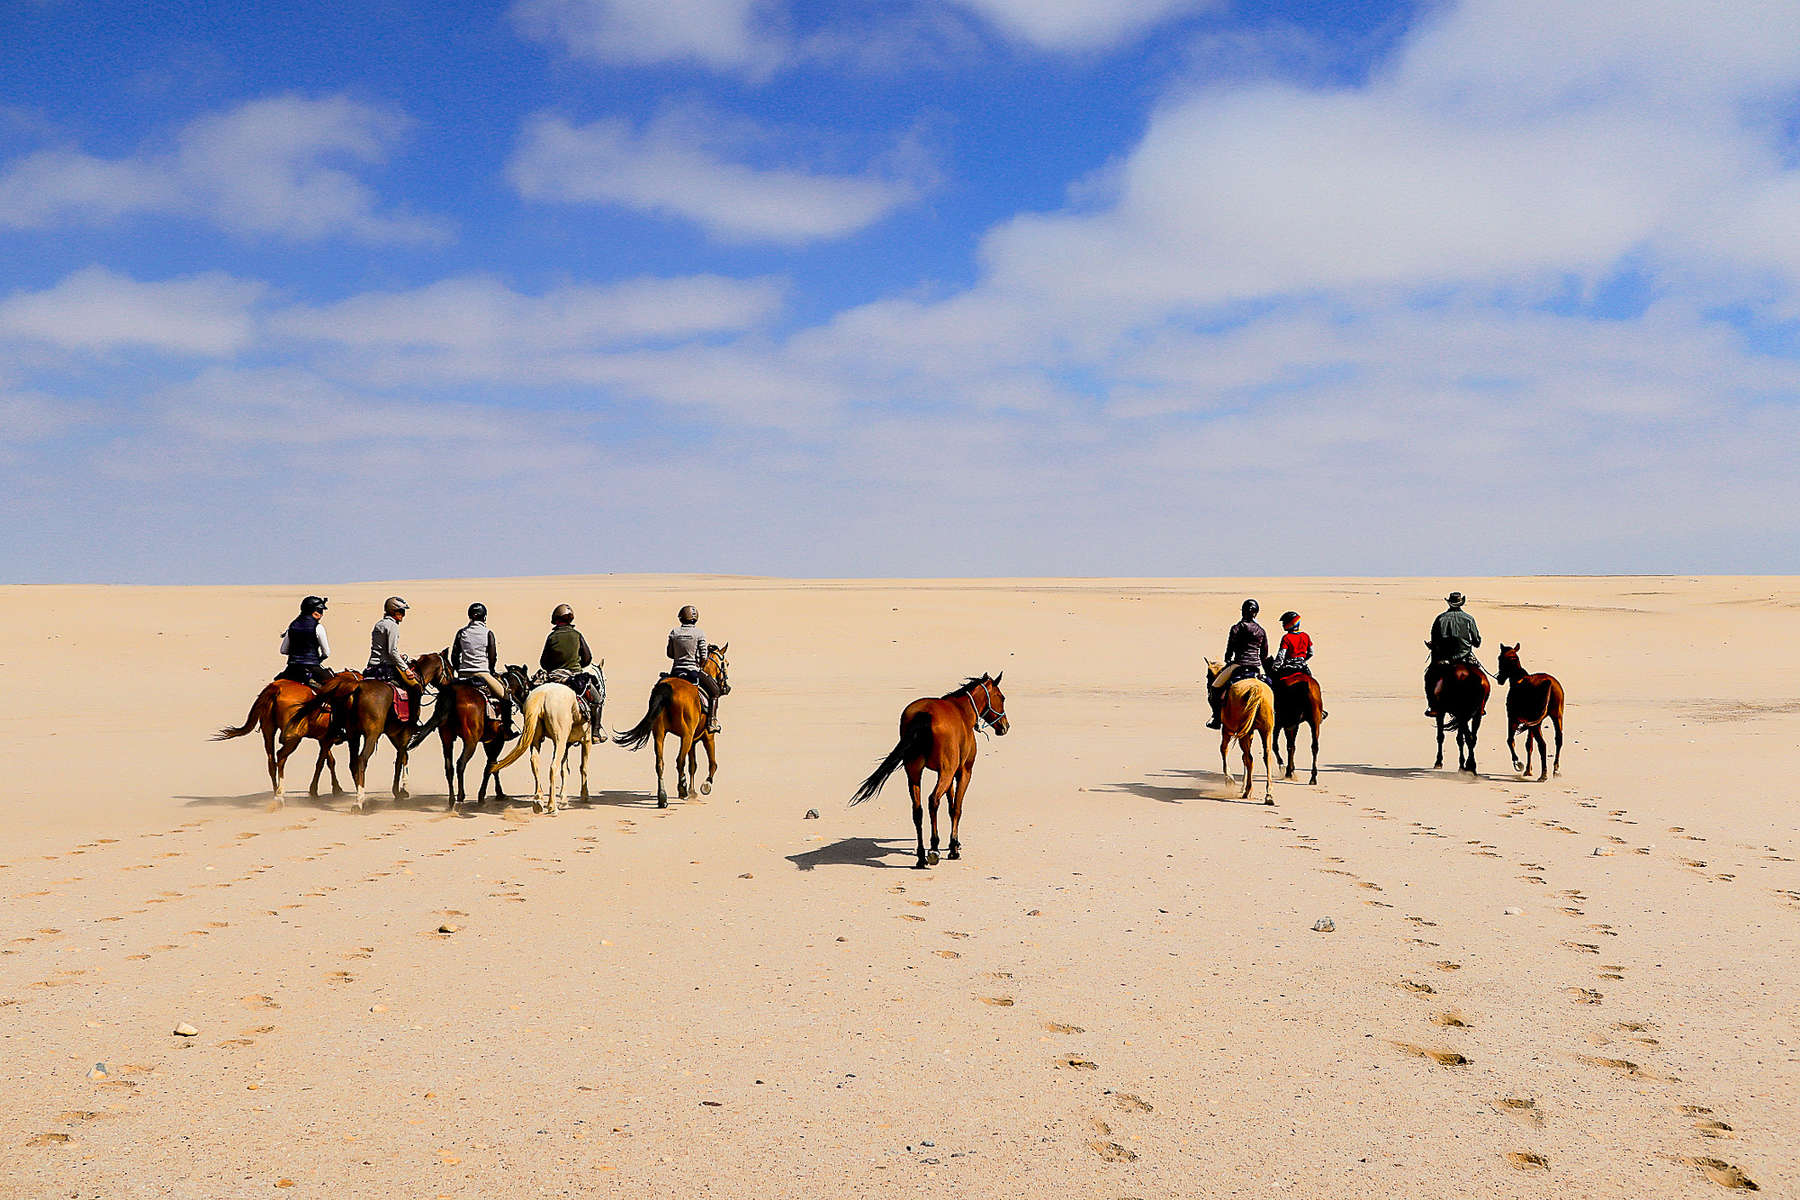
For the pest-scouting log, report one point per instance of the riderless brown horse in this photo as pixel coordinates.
(940, 735)
(271, 712)
(367, 715)
(461, 714)
(1460, 697)
(1247, 709)
(1298, 701)
(676, 706)
(1530, 701)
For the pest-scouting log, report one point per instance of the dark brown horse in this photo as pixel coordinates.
(677, 707)
(272, 712)
(1298, 701)
(461, 715)
(1530, 701)
(367, 715)
(940, 735)
(1460, 697)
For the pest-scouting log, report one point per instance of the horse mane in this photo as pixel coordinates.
(969, 685)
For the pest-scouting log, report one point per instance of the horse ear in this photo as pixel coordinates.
(725, 647)
(1000, 676)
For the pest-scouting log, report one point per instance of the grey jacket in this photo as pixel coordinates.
(475, 650)
(384, 646)
(687, 647)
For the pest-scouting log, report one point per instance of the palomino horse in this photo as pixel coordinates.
(367, 716)
(1248, 709)
(1530, 701)
(940, 735)
(1460, 697)
(553, 713)
(273, 709)
(1297, 702)
(461, 715)
(677, 707)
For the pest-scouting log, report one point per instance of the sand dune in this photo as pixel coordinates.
(1578, 988)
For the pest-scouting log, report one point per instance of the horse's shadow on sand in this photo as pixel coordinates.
(417, 802)
(858, 852)
(1375, 772)
(1200, 785)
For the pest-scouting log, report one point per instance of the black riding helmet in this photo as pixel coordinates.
(562, 615)
(1289, 617)
(478, 612)
(1251, 608)
(312, 604)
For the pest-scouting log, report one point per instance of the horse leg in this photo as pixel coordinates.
(400, 792)
(1439, 764)
(1512, 731)
(1557, 769)
(461, 793)
(944, 780)
(268, 734)
(1249, 764)
(1537, 734)
(1474, 724)
(537, 777)
(1268, 735)
(1278, 746)
(1293, 735)
(359, 768)
(450, 771)
(712, 761)
(913, 772)
(1224, 751)
(662, 793)
(319, 769)
(331, 764)
(279, 772)
(1315, 744)
(684, 765)
(957, 791)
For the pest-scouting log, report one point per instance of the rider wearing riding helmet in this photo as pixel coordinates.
(565, 649)
(687, 650)
(1296, 648)
(386, 663)
(1246, 656)
(305, 645)
(475, 655)
(1454, 639)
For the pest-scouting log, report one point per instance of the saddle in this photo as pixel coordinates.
(402, 707)
(1296, 671)
(588, 684)
(693, 677)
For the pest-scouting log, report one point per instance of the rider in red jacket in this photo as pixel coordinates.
(1296, 647)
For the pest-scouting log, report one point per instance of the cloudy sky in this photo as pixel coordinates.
(384, 289)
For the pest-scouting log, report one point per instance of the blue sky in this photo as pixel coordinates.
(906, 287)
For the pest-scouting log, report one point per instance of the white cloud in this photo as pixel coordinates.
(267, 167)
(95, 310)
(1065, 25)
(669, 168)
(727, 35)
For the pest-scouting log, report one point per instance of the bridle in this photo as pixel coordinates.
(986, 711)
(723, 675)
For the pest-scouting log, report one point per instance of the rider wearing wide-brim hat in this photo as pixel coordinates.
(687, 651)
(1454, 639)
(1246, 656)
(305, 644)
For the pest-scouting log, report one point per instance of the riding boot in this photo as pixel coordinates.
(507, 732)
(1217, 700)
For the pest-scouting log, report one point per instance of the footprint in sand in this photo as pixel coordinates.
(1528, 1160)
(1074, 1062)
(1582, 947)
(1413, 985)
(1585, 995)
(1447, 965)
(1630, 1069)
(1131, 1103)
(63, 1139)
(910, 917)
(1711, 1128)
(997, 1001)
(1452, 1019)
(1059, 1027)
(1112, 1152)
(1522, 1107)
(947, 953)
(340, 976)
(1437, 1054)
(1724, 1174)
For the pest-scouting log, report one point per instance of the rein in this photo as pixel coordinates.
(985, 712)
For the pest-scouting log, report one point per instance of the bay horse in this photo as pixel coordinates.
(1530, 701)
(1248, 709)
(1460, 697)
(554, 713)
(461, 715)
(1298, 701)
(271, 712)
(677, 707)
(367, 715)
(939, 734)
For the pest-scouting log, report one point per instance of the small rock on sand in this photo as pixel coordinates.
(99, 1071)
(1512, 912)
(1602, 852)
(448, 927)
(812, 814)
(186, 1030)
(1324, 925)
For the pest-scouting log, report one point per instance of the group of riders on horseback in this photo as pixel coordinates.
(475, 656)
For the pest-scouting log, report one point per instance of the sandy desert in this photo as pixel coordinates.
(1583, 987)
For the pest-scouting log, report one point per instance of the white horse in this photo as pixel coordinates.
(553, 713)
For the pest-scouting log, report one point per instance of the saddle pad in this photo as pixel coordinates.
(402, 706)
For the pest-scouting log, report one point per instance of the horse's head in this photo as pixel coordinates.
(716, 666)
(997, 706)
(433, 668)
(987, 702)
(1510, 667)
(1212, 671)
(517, 680)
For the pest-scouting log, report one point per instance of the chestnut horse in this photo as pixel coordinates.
(461, 715)
(1248, 709)
(271, 712)
(1460, 697)
(1298, 701)
(366, 715)
(940, 735)
(676, 706)
(1530, 701)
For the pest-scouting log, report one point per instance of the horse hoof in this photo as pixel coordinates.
(1269, 800)
(706, 789)
(932, 858)
(955, 852)
(662, 802)
(536, 807)
(919, 866)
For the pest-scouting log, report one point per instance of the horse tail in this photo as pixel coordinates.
(635, 737)
(259, 712)
(534, 715)
(915, 739)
